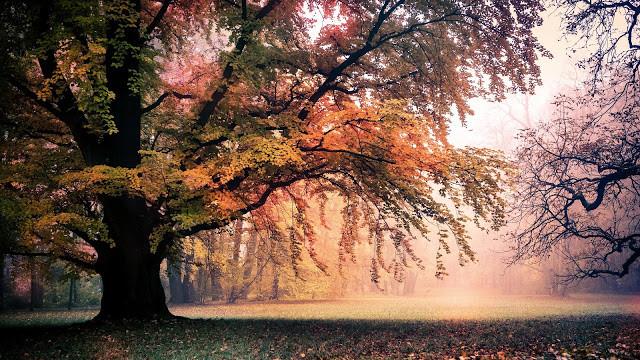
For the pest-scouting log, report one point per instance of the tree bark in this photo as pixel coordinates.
(174, 273)
(72, 293)
(1, 281)
(133, 290)
(250, 260)
(37, 292)
(130, 271)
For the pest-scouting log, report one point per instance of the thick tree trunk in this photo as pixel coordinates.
(131, 288)
(130, 271)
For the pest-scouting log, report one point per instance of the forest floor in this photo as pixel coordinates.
(579, 326)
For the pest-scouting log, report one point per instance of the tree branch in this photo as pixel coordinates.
(271, 187)
(162, 97)
(210, 106)
(158, 18)
(348, 152)
(53, 109)
(66, 257)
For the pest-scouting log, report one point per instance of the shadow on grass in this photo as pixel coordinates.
(600, 336)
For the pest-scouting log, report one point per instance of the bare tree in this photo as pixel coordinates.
(579, 187)
(608, 31)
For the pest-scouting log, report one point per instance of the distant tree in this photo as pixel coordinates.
(174, 275)
(250, 260)
(36, 284)
(579, 188)
(136, 123)
(578, 192)
(73, 292)
(234, 262)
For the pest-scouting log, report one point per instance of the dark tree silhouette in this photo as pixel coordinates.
(579, 187)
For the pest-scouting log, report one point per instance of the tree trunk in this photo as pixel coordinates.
(250, 260)
(235, 262)
(37, 291)
(217, 292)
(409, 287)
(202, 284)
(1, 281)
(188, 290)
(130, 271)
(131, 286)
(275, 285)
(174, 273)
(214, 246)
(73, 292)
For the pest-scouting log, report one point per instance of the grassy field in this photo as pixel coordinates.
(436, 327)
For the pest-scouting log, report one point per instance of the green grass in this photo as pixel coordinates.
(435, 327)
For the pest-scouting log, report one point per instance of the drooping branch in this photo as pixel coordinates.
(313, 173)
(602, 185)
(625, 268)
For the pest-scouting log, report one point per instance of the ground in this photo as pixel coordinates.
(580, 326)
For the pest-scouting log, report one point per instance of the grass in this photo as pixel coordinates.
(434, 327)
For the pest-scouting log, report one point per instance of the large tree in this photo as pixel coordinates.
(131, 124)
